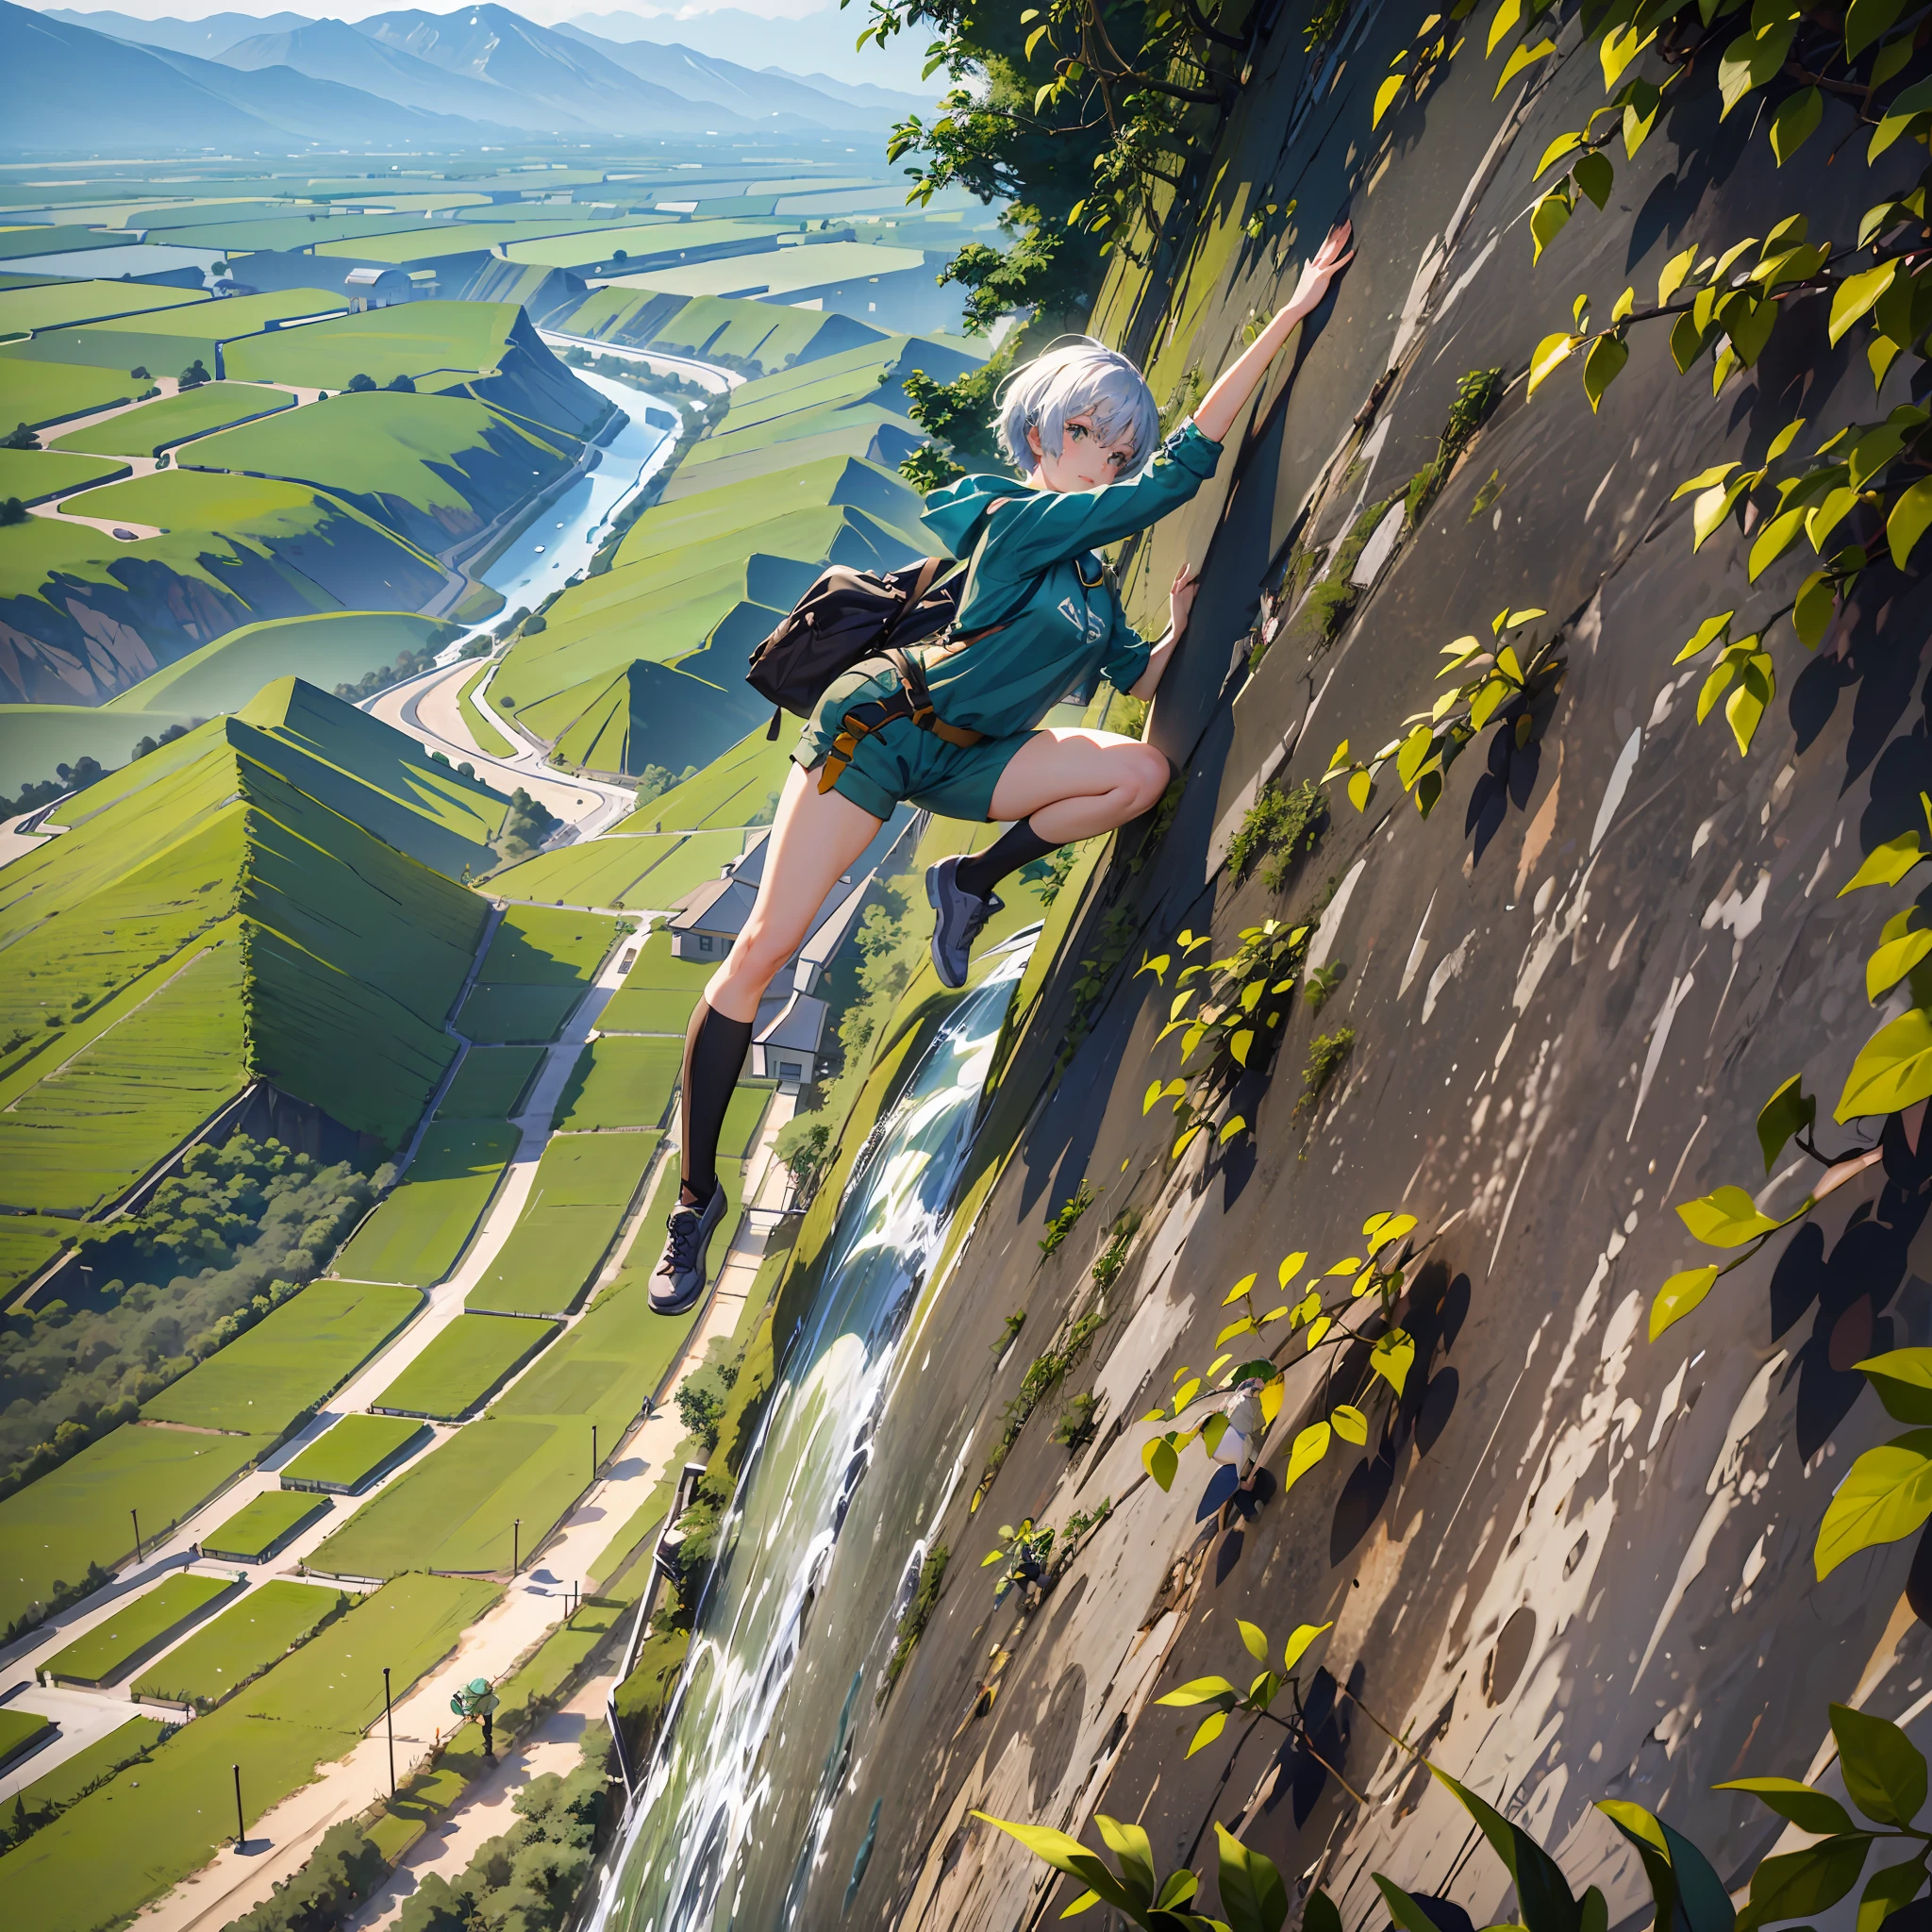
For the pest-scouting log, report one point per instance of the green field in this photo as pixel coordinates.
(261, 1525)
(23, 1732)
(327, 648)
(433, 466)
(644, 238)
(69, 1782)
(490, 1083)
(290, 1360)
(436, 343)
(463, 1366)
(97, 1864)
(529, 1458)
(485, 734)
(37, 394)
(169, 420)
(420, 1231)
(354, 1451)
(584, 1183)
(505, 1015)
(55, 304)
(78, 1514)
(658, 993)
(541, 946)
(35, 475)
(640, 875)
(541, 959)
(729, 791)
(138, 1627)
(619, 1081)
(28, 1243)
(241, 1643)
(124, 1099)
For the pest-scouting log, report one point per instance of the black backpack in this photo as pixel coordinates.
(846, 617)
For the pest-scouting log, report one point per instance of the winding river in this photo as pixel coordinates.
(776, 1699)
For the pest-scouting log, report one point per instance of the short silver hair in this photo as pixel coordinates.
(1077, 377)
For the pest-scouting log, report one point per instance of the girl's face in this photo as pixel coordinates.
(1085, 463)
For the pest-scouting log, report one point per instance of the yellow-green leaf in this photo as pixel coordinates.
(1602, 366)
(1236, 1123)
(1547, 220)
(1351, 1424)
(1297, 1645)
(1524, 56)
(1548, 354)
(1255, 1637)
(1238, 1290)
(1886, 864)
(1678, 1296)
(1240, 1047)
(1910, 516)
(1795, 121)
(1706, 635)
(1886, 1497)
(1672, 280)
(1725, 1218)
(1393, 1358)
(1563, 145)
(1857, 295)
(1243, 1326)
(1893, 1069)
(1507, 16)
(1360, 786)
(1385, 97)
(1894, 960)
(1161, 1463)
(1310, 1446)
(1211, 1729)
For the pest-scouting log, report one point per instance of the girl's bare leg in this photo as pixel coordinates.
(817, 837)
(1071, 784)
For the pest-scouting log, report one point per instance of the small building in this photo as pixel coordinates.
(787, 1047)
(377, 288)
(707, 922)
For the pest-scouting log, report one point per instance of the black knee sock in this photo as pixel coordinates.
(1018, 846)
(714, 1050)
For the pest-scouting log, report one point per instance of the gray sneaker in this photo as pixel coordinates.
(681, 1274)
(961, 916)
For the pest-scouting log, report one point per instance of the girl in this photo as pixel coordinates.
(955, 732)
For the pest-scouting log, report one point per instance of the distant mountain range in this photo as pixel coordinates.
(481, 73)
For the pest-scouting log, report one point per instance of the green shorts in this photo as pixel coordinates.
(899, 762)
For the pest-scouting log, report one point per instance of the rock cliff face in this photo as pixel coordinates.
(1570, 1563)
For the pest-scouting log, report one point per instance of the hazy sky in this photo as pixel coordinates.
(545, 12)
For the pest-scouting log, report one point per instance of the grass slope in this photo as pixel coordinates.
(584, 1187)
(292, 1359)
(354, 1451)
(240, 1643)
(263, 1523)
(99, 1862)
(459, 1369)
(79, 1514)
(170, 420)
(647, 875)
(420, 1231)
(619, 1081)
(658, 993)
(137, 1625)
(490, 1083)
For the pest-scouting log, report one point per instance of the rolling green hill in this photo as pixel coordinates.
(269, 898)
(435, 469)
(633, 661)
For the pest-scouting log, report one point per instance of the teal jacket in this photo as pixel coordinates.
(1038, 576)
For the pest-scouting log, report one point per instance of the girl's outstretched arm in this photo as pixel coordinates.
(1219, 408)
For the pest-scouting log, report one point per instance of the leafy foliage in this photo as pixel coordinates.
(1278, 828)
(1068, 1218)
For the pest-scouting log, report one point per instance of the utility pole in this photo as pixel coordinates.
(390, 1721)
(593, 1452)
(516, 1537)
(241, 1830)
(136, 1514)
